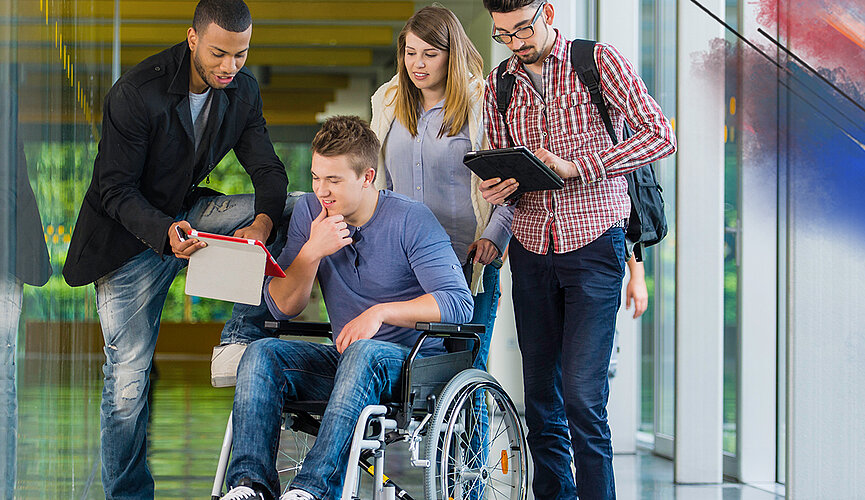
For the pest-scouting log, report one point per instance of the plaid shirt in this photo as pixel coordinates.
(568, 125)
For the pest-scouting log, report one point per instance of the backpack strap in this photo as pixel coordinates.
(583, 62)
(504, 91)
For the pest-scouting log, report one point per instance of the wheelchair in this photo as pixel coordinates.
(437, 413)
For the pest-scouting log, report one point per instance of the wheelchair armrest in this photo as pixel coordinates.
(300, 328)
(451, 328)
(466, 331)
(438, 330)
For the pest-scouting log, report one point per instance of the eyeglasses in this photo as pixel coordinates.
(522, 33)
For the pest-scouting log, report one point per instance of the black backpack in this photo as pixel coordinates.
(647, 224)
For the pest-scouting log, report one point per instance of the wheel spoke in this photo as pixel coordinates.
(473, 418)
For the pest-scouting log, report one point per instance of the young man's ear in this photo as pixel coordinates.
(549, 13)
(191, 38)
(368, 177)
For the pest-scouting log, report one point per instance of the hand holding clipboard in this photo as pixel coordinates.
(518, 163)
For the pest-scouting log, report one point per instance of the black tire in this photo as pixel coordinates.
(459, 468)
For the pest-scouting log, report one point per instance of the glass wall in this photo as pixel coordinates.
(51, 65)
(732, 237)
(56, 65)
(658, 68)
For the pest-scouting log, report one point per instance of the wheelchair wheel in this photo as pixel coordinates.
(294, 444)
(468, 462)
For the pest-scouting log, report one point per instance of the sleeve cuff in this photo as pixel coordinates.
(275, 217)
(590, 168)
(271, 304)
(499, 235)
(451, 308)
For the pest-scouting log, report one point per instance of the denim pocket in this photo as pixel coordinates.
(617, 246)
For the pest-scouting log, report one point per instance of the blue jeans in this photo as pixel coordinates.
(565, 307)
(11, 290)
(130, 301)
(273, 371)
(486, 305)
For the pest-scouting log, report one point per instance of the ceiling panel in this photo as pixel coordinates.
(262, 11)
(161, 35)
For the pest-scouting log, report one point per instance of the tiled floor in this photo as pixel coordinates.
(59, 441)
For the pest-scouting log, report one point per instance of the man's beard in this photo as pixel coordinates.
(530, 57)
(534, 55)
(200, 70)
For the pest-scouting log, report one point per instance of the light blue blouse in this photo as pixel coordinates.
(430, 169)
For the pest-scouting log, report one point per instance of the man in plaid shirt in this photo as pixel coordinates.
(568, 250)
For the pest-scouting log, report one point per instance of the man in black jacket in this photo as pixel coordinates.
(166, 123)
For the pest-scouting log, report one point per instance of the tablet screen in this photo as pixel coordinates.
(517, 163)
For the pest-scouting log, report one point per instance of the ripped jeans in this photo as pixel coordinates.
(130, 301)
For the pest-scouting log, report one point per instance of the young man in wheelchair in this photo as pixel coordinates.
(383, 263)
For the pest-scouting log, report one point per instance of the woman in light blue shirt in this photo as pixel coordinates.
(427, 117)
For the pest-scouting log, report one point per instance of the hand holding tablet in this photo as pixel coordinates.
(517, 163)
(229, 268)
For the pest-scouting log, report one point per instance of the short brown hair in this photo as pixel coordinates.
(504, 6)
(351, 136)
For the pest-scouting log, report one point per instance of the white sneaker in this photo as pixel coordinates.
(243, 493)
(223, 364)
(296, 494)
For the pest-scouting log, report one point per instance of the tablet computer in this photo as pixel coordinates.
(229, 268)
(518, 163)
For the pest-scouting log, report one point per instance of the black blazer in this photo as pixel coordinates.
(23, 252)
(146, 170)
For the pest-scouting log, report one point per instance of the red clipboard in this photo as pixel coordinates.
(271, 267)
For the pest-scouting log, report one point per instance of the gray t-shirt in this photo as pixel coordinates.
(199, 105)
(537, 80)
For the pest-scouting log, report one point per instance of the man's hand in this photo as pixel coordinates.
(258, 230)
(562, 168)
(636, 288)
(495, 190)
(182, 249)
(327, 235)
(485, 251)
(362, 327)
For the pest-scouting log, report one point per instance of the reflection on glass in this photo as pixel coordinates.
(658, 68)
(55, 69)
(731, 243)
(23, 259)
(648, 323)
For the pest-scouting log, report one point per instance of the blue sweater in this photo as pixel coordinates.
(401, 253)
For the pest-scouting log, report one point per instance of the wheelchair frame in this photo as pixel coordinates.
(439, 399)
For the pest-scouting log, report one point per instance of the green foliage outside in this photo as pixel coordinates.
(731, 294)
(60, 173)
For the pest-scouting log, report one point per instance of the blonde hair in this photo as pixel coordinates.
(440, 28)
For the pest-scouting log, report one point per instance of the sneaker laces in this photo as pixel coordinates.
(297, 494)
(241, 493)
